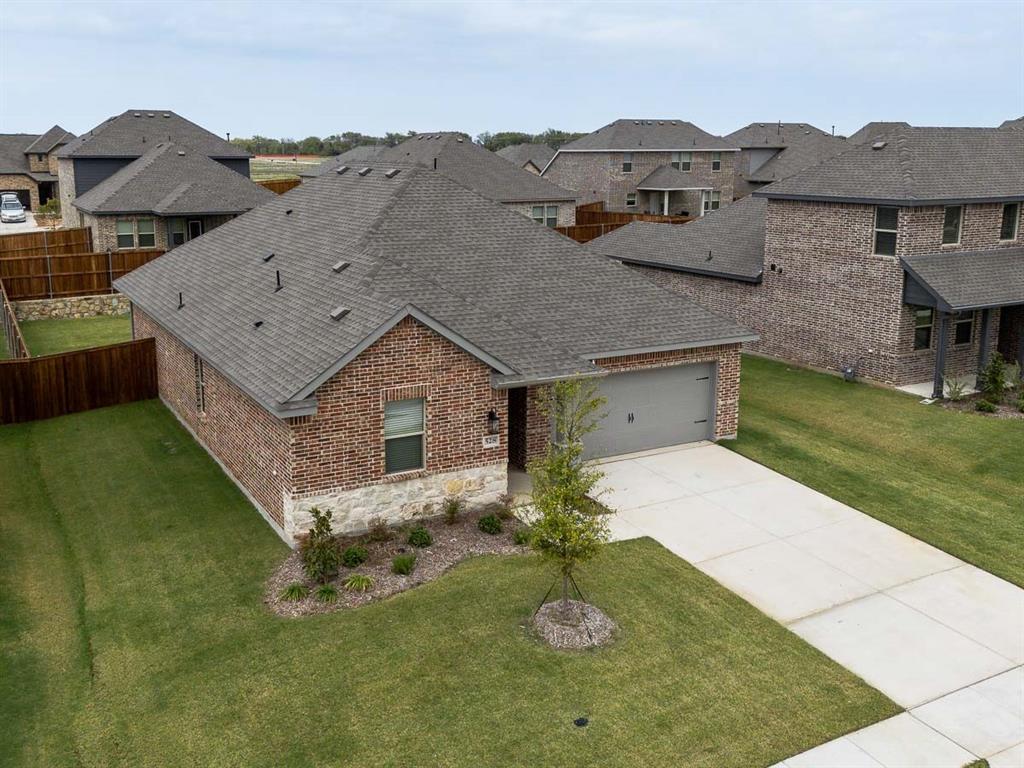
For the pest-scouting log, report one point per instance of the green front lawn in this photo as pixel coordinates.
(955, 480)
(48, 337)
(132, 633)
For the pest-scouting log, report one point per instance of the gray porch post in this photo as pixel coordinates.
(983, 342)
(940, 356)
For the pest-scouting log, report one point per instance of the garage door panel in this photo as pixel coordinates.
(654, 408)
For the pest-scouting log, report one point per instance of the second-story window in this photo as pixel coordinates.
(951, 224)
(682, 161)
(627, 162)
(886, 220)
(1008, 227)
(716, 161)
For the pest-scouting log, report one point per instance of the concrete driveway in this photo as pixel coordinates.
(28, 225)
(920, 625)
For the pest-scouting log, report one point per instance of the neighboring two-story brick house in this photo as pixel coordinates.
(28, 165)
(380, 338)
(770, 152)
(122, 140)
(901, 260)
(667, 167)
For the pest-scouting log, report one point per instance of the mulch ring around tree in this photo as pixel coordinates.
(452, 544)
(584, 626)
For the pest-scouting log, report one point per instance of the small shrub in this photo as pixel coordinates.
(506, 503)
(294, 592)
(985, 406)
(379, 529)
(420, 537)
(327, 593)
(354, 556)
(489, 524)
(403, 564)
(358, 582)
(321, 553)
(955, 390)
(1020, 403)
(1013, 372)
(452, 509)
(992, 381)
(521, 537)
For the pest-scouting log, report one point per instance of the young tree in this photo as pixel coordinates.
(567, 526)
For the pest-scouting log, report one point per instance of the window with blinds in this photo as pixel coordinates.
(403, 435)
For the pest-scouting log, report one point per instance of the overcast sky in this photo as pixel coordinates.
(291, 69)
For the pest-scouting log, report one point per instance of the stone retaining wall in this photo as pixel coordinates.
(72, 307)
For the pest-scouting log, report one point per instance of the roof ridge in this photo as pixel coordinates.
(904, 162)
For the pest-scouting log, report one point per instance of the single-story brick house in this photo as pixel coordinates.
(900, 260)
(668, 167)
(28, 165)
(377, 339)
(165, 198)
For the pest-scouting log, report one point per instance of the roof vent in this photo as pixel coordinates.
(364, 171)
(150, 114)
(340, 266)
(268, 257)
(459, 139)
(136, 114)
(288, 212)
(636, 122)
(391, 173)
(181, 152)
(661, 122)
(760, 125)
(167, 114)
(257, 324)
(278, 287)
(342, 169)
(673, 122)
(339, 312)
(879, 145)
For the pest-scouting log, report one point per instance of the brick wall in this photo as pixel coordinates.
(252, 444)
(599, 176)
(566, 210)
(36, 165)
(10, 182)
(104, 230)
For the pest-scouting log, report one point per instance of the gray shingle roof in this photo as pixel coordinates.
(475, 167)
(12, 152)
(362, 154)
(800, 146)
(133, 132)
(533, 301)
(774, 134)
(875, 130)
(917, 166)
(521, 154)
(1016, 124)
(173, 181)
(638, 135)
(667, 177)
(733, 235)
(970, 279)
(56, 135)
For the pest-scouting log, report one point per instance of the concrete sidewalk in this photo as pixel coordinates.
(940, 637)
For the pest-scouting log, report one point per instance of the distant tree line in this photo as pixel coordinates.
(337, 143)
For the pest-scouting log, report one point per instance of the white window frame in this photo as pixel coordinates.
(422, 433)
(118, 234)
(710, 200)
(894, 232)
(631, 199)
(678, 162)
(716, 162)
(627, 159)
(171, 232)
(545, 214)
(959, 224)
(139, 233)
(1015, 220)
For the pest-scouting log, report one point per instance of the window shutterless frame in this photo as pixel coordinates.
(125, 234)
(963, 328)
(886, 222)
(404, 435)
(630, 199)
(146, 231)
(627, 162)
(682, 160)
(200, 375)
(716, 161)
(952, 218)
(924, 320)
(1008, 226)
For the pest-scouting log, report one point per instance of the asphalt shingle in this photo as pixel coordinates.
(364, 153)
(135, 131)
(521, 154)
(651, 135)
(971, 279)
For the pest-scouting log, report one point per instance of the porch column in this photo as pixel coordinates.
(664, 203)
(940, 356)
(983, 342)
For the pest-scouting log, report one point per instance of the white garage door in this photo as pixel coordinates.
(653, 409)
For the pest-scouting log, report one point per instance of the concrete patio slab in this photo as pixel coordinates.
(695, 529)
(974, 603)
(973, 721)
(783, 581)
(873, 552)
(841, 753)
(905, 742)
(702, 470)
(782, 507)
(1005, 691)
(1011, 758)
(903, 653)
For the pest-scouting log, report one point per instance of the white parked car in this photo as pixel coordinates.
(11, 211)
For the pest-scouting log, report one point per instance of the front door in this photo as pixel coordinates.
(195, 228)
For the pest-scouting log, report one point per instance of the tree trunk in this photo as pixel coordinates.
(565, 596)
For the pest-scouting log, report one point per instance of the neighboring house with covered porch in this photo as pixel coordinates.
(167, 197)
(655, 166)
(377, 340)
(28, 165)
(899, 260)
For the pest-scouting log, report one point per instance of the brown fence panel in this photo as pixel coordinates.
(618, 217)
(48, 242)
(15, 342)
(44, 387)
(280, 186)
(584, 233)
(76, 274)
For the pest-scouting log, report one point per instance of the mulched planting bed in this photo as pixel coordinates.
(452, 544)
(586, 626)
(1004, 410)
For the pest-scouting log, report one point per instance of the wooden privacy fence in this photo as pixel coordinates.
(48, 242)
(16, 346)
(279, 186)
(602, 216)
(77, 274)
(44, 387)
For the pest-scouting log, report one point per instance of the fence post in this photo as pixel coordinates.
(110, 273)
